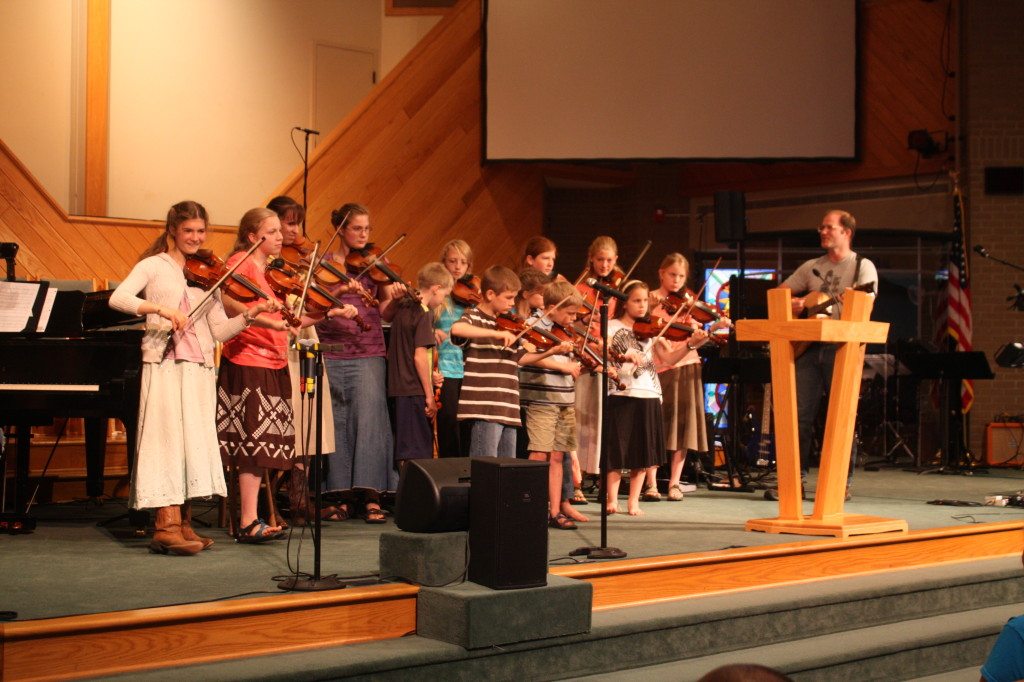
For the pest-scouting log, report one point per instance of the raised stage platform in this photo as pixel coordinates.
(94, 599)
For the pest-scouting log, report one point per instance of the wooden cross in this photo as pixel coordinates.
(852, 331)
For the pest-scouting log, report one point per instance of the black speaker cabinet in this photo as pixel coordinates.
(433, 495)
(508, 523)
(730, 216)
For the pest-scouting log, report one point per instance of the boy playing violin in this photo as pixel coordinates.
(490, 387)
(549, 393)
(410, 364)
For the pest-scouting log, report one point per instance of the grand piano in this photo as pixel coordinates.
(78, 367)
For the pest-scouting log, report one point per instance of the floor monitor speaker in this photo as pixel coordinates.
(508, 530)
(433, 495)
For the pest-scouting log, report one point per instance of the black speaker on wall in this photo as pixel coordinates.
(508, 529)
(433, 495)
(730, 216)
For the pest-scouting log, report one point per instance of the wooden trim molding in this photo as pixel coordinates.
(97, 106)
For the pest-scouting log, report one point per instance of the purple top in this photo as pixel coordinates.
(356, 342)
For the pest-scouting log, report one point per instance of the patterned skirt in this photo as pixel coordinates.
(254, 416)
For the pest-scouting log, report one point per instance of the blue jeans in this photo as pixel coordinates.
(490, 439)
(813, 380)
(363, 445)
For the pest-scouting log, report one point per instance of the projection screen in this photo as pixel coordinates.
(669, 79)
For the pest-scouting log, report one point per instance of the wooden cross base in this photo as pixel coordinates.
(840, 526)
(781, 331)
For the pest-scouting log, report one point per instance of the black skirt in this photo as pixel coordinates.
(636, 436)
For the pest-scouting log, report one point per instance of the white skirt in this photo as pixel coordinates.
(178, 456)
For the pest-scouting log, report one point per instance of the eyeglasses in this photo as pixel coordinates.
(359, 229)
(827, 228)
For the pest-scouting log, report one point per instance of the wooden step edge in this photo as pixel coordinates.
(168, 615)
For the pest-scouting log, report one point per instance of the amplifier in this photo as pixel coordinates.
(1004, 444)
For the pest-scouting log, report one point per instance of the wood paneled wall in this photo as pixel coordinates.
(901, 87)
(411, 152)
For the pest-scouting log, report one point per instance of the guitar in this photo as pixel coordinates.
(761, 448)
(817, 303)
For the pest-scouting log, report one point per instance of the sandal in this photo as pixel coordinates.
(651, 495)
(562, 522)
(332, 513)
(374, 515)
(578, 497)
(262, 533)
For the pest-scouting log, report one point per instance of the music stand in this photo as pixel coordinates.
(951, 369)
(734, 372)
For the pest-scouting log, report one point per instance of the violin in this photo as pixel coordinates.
(586, 353)
(296, 257)
(591, 296)
(297, 253)
(651, 325)
(203, 269)
(542, 339)
(698, 310)
(284, 281)
(466, 291)
(369, 260)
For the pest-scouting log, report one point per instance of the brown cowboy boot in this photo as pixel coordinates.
(187, 531)
(168, 538)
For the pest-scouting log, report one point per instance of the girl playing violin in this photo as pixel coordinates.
(255, 419)
(292, 215)
(601, 260)
(177, 458)
(636, 439)
(681, 385)
(452, 435)
(540, 252)
(361, 465)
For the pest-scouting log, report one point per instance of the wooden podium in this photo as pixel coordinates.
(780, 330)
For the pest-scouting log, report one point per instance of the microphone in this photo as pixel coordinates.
(307, 368)
(605, 289)
(307, 130)
(981, 251)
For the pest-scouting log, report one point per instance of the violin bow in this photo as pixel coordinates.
(314, 262)
(542, 316)
(675, 315)
(301, 303)
(383, 253)
(636, 261)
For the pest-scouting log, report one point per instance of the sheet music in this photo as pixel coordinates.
(44, 313)
(18, 302)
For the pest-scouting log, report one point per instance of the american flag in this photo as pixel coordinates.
(958, 294)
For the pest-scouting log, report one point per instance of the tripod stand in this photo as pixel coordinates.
(889, 367)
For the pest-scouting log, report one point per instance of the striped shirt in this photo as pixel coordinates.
(490, 383)
(546, 386)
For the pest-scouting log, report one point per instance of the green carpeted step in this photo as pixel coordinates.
(729, 627)
(897, 651)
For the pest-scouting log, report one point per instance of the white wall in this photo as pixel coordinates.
(203, 95)
(35, 88)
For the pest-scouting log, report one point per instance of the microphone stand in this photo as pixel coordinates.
(316, 583)
(603, 551)
(305, 172)
(1017, 300)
